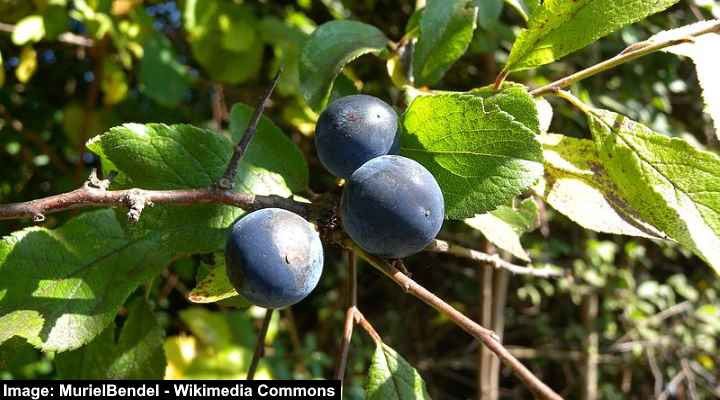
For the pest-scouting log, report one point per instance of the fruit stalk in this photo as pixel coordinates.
(349, 316)
(260, 344)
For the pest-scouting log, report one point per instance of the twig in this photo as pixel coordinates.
(655, 370)
(633, 52)
(486, 336)
(689, 378)
(349, 316)
(136, 199)
(485, 259)
(260, 344)
(228, 179)
(367, 326)
(219, 108)
(669, 312)
(66, 37)
(674, 382)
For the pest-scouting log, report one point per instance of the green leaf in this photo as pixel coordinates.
(15, 356)
(559, 27)
(480, 155)
(488, 12)
(223, 39)
(514, 99)
(162, 77)
(505, 225)
(673, 185)
(446, 30)
(392, 378)
(55, 19)
(577, 185)
(212, 329)
(271, 148)
(214, 285)
(137, 354)
(62, 287)
(30, 29)
(329, 49)
(702, 51)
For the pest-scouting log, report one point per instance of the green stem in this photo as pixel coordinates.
(570, 98)
(633, 52)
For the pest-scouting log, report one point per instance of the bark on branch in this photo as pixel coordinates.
(136, 199)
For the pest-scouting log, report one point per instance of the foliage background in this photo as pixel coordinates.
(149, 63)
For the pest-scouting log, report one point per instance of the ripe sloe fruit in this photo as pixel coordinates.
(392, 207)
(353, 130)
(274, 258)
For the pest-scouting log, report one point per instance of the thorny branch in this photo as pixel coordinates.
(228, 179)
(94, 193)
(137, 199)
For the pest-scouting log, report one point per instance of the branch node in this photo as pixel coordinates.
(136, 202)
(95, 182)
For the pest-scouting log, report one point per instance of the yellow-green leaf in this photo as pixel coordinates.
(27, 66)
(673, 185)
(559, 27)
(505, 225)
(577, 184)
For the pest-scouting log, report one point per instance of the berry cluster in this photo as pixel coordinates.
(391, 206)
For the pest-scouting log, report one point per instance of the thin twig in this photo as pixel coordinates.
(219, 108)
(679, 308)
(655, 370)
(260, 344)
(492, 260)
(674, 382)
(228, 179)
(633, 52)
(349, 316)
(367, 326)
(689, 378)
(66, 37)
(486, 336)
